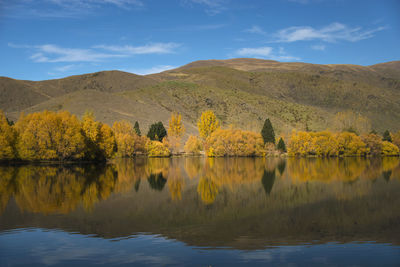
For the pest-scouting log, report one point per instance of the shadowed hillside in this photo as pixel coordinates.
(242, 92)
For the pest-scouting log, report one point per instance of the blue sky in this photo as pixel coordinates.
(47, 39)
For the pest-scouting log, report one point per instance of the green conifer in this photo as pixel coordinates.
(137, 129)
(387, 136)
(267, 132)
(157, 131)
(281, 145)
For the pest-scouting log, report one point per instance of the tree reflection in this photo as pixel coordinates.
(48, 189)
(157, 181)
(268, 180)
(176, 183)
(208, 190)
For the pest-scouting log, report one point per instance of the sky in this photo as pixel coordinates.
(48, 39)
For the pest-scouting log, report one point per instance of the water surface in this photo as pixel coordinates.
(199, 211)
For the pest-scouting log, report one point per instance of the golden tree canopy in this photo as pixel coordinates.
(207, 124)
(176, 127)
(7, 139)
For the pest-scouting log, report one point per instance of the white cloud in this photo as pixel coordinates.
(255, 29)
(62, 8)
(53, 53)
(155, 48)
(65, 68)
(318, 47)
(95, 3)
(213, 7)
(259, 51)
(155, 69)
(266, 52)
(330, 33)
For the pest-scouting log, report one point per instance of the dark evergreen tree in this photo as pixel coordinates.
(386, 136)
(281, 145)
(157, 131)
(267, 132)
(137, 129)
(11, 123)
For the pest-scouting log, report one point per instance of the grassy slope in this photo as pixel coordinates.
(242, 92)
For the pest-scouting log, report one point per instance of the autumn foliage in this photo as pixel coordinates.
(125, 138)
(50, 136)
(61, 136)
(7, 139)
(339, 144)
(175, 133)
(193, 145)
(207, 124)
(234, 142)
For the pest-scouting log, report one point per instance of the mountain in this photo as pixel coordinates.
(242, 92)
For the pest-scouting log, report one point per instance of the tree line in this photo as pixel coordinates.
(62, 136)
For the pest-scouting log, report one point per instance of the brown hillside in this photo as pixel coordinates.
(242, 92)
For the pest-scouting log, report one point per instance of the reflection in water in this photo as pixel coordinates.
(210, 201)
(208, 190)
(268, 180)
(47, 189)
(157, 181)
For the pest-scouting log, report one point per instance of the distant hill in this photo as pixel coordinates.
(242, 92)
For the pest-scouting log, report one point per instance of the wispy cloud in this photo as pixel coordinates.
(255, 29)
(152, 70)
(65, 68)
(318, 47)
(212, 7)
(95, 3)
(266, 52)
(53, 53)
(155, 48)
(62, 8)
(330, 33)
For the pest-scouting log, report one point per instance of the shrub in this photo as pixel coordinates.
(373, 143)
(350, 144)
(389, 149)
(157, 149)
(234, 142)
(193, 145)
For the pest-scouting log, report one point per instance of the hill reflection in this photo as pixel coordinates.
(210, 202)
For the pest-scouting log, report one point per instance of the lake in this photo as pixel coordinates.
(202, 212)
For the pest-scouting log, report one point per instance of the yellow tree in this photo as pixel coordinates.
(207, 124)
(193, 145)
(50, 136)
(91, 132)
(125, 137)
(175, 132)
(7, 139)
(106, 141)
(99, 138)
(351, 122)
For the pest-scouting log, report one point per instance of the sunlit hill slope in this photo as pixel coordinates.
(242, 93)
